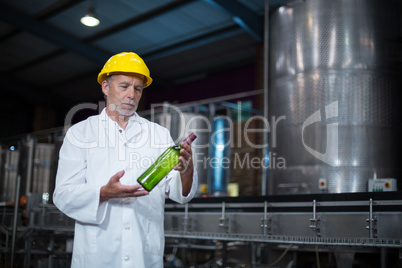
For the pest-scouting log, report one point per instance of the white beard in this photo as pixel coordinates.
(123, 112)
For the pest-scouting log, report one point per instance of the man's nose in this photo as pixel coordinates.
(131, 92)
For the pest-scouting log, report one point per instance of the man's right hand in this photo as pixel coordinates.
(114, 189)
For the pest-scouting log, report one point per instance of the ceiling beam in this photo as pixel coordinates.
(246, 18)
(56, 8)
(193, 42)
(27, 92)
(138, 19)
(45, 31)
(34, 62)
(48, 12)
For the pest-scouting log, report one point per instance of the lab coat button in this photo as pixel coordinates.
(127, 228)
(126, 258)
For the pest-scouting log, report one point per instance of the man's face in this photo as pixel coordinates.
(123, 93)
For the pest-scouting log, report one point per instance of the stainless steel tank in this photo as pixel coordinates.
(334, 82)
(37, 167)
(9, 173)
(42, 180)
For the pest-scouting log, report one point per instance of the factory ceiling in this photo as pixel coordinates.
(47, 57)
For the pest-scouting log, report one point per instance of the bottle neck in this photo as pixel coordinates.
(190, 138)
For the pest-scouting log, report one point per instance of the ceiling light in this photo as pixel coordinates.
(89, 19)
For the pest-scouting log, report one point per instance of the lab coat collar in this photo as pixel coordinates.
(136, 125)
(134, 118)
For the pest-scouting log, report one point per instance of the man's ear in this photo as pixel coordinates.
(105, 87)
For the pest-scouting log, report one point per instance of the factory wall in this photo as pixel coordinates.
(204, 86)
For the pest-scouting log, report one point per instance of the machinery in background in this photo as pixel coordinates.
(36, 233)
(334, 122)
(334, 230)
(334, 84)
(33, 231)
(317, 230)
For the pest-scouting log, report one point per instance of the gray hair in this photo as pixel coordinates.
(109, 81)
(109, 78)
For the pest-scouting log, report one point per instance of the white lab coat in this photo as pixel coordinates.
(119, 232)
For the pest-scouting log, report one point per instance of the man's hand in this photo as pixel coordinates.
(186, 167)
(114, 189)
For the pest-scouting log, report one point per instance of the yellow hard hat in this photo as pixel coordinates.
(125, 62)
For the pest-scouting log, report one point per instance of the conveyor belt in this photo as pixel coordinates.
(344, 202)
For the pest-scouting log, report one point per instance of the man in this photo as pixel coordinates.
(119, 224)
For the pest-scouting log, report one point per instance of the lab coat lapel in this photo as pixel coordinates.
(107, 130)
(137, 136)
(135, 129)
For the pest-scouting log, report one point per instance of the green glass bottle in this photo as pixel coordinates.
(163, 165)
